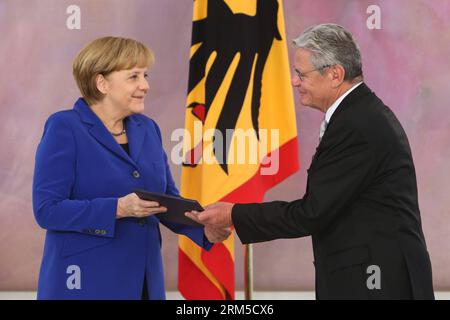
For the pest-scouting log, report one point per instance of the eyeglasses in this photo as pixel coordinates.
(301, 75)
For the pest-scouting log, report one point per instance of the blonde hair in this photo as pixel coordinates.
(106, 55)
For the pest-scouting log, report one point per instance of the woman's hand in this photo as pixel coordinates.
(132, 206)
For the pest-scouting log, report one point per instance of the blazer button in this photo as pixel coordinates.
(97, 231)
(142, 222)
(136, 174)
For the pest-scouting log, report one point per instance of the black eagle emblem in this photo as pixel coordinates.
(227, 34)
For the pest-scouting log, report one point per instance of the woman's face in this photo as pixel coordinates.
(126, 89)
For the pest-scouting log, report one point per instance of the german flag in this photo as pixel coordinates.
(241, 135)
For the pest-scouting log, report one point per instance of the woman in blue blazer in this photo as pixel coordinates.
(102, 241)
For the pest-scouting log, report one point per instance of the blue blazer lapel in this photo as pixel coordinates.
(98, 130)
(136, 136)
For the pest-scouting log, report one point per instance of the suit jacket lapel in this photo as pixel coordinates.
(349, 100)
(98, 130)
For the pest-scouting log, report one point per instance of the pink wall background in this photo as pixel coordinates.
(406, 63)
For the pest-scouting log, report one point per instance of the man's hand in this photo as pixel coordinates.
(215, 235)
(217, 215)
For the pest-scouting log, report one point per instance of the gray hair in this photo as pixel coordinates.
(331, 44)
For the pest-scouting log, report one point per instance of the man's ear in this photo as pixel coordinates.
(337, 75)
(101, 83)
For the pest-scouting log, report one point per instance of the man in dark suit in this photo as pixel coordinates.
(360, 205)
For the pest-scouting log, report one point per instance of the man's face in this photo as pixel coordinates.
(313, 87)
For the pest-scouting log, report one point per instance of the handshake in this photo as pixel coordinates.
(217, 220)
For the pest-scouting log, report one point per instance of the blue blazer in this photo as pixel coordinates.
(80, 172)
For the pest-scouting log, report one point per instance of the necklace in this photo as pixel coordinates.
(120, 133)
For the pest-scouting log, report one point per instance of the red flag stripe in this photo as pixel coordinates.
(221, 264)
(193, 283)
(259, 184)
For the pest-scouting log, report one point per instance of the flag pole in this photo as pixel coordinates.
(248, 271)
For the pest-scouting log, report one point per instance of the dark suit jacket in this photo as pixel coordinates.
(360, 208)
